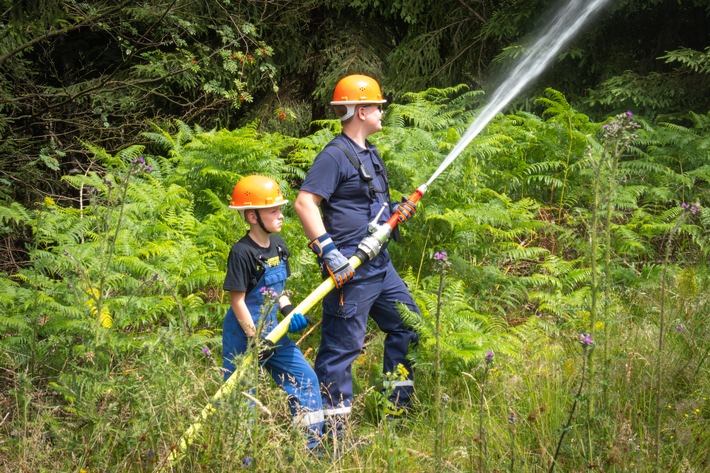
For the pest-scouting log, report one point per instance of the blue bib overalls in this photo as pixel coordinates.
(287, 366)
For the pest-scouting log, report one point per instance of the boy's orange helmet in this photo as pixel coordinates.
(256, 192)
(355, 89)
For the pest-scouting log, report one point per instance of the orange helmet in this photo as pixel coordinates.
(356, 89)
(256, 192)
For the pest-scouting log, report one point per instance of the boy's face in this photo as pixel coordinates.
(272, 219)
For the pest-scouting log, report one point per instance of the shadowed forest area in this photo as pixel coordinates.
(560, 263)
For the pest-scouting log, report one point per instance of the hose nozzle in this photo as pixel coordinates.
(371, 245)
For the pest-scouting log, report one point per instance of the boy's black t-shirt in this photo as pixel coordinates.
(247, 260)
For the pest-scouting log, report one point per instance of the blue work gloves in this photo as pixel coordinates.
(298, 321)
(406, 209)
(337, 265)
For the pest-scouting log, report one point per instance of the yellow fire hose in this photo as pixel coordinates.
(368, 249)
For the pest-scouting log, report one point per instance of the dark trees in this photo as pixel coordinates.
(102, 71)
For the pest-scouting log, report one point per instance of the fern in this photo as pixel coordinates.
(463, 331)
(690, 58)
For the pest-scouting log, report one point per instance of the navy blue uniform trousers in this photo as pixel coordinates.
(345, 314)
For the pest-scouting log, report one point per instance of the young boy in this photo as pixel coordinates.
(257, 267)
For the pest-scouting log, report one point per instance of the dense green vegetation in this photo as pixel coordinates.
(553, 225)
(560, 263)
(101, 72)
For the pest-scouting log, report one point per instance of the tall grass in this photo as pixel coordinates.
(76, 395)
(128, 417)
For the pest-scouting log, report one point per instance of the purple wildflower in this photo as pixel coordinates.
(440, 256)
(268, 293)
(139, 165)
(512, 418)
(680, 328)
(621, 128)
(692, 208)
(695, 209)
(489, 357)
(206, 351)
(586, 340)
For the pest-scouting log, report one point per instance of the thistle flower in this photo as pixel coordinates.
(489, 357)
(692, 208)
(441, 256)
(207, 352)
(512, 418)
(621, 128)
(268, 293)
(585, 340)
(140, 165)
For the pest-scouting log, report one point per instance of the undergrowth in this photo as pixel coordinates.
(110, 322)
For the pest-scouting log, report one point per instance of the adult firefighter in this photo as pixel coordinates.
(344, 190)
(257, 268)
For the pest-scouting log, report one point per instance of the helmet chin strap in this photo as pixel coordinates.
(260, 222)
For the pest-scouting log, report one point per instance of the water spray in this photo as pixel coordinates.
(562, 27)
(558, 31)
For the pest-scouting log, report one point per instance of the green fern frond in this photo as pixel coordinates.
(134, 265)
(541, 281)
(516, 252)
(14, 213)
(577, 278)
(555, 102)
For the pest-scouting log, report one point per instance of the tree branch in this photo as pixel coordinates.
(62, 31)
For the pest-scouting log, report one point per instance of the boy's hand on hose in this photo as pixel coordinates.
(298, 321)
(267, 348)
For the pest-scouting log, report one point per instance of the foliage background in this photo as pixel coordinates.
(101, 72)
(125, 126)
